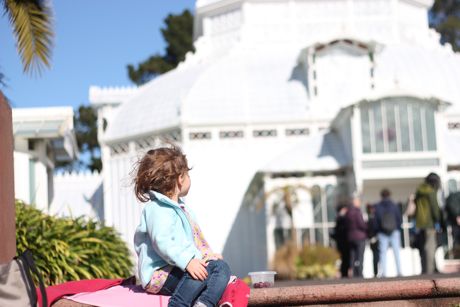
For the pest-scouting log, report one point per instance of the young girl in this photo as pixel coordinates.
(173, 256)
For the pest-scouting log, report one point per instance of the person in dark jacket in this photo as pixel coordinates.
(372, 236)
(356, 235)
(453, 215)
(388, 221)
(340, 237)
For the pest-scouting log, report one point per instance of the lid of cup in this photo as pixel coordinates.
(262, 273)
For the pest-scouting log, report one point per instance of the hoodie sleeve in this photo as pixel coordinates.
(435, 211)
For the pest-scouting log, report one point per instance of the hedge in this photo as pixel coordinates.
(67, 249)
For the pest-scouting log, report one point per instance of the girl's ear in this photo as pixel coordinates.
(180, 182)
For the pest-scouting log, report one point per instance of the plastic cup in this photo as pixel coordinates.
(263, 279)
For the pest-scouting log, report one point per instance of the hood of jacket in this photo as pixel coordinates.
(425, 189)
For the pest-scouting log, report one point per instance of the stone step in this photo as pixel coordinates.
(413, 292)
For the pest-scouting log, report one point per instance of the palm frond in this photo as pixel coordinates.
(32, 27)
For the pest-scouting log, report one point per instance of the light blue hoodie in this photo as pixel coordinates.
(164, 236)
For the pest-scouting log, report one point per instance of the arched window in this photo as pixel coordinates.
(331, 200)
(316, 200)
(400, 124)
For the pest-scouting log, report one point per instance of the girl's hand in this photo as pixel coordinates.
(197, 269)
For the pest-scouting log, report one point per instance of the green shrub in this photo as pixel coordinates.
(316, 261)
(312, 261)
(318, 254)
(70, 249)
(316, 271)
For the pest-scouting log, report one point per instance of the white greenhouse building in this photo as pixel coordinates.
(331, 97)
(43, 137)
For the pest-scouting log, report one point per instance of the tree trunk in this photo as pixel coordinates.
(7, 209)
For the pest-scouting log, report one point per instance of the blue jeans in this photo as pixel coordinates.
(185, 290)
(394, 239)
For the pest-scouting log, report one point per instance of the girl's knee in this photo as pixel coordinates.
(221, 266)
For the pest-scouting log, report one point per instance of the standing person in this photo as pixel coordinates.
(427, 220)
(372, 236)
(340, 237)
(173, 256)
(388, 221)
(453, 215)
(356, 235)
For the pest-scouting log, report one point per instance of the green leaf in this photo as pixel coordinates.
(32, 27)
(71, 249)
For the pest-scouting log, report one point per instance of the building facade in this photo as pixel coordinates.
(327, 97)
(42, 137)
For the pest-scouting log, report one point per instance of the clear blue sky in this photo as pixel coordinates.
(94, 41)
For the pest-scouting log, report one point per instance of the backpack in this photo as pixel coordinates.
(388, 223)
(17, 287)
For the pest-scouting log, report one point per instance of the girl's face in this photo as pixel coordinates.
(184, 184)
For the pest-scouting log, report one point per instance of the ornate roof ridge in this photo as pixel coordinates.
(75, 174)
(110, 94)
(121, 88)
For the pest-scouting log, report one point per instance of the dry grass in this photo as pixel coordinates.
(285, 261)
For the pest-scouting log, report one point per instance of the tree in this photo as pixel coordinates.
(445, 18)
(86, 133)
(85, 126)
(289, 199)
(178, 35)
(32, 27)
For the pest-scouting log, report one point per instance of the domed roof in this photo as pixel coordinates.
(249, 86)
(157, 105)
(238, 87)
(269, 85)
(426, 70)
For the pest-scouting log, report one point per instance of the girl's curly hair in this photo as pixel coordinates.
(159, 170)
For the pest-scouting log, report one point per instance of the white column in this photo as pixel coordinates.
(107, 176)
(441, 127)
(356, 142)
(324, 216)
